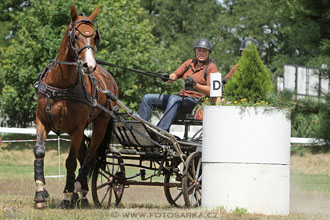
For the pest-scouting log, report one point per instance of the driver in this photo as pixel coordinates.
(244, 44)
(196, 73)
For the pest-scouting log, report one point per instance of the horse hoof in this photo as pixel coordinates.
(83, 203)
(40, 199)
(65, 204)
(74, 200)
(41, 196)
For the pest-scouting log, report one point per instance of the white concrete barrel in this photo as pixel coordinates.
(246, 159)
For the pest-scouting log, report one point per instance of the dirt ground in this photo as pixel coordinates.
(134, 196)
(308, 202)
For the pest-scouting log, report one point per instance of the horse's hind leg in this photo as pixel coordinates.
(39, 153)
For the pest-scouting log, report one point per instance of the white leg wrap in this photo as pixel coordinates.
(77, 187)
(40, 185)
(67, 196)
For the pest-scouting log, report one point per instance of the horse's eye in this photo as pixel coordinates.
(76, 37)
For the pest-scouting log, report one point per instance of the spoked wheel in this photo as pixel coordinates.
(198, 136)
(173, 192)
(192, 180)
(107, 184)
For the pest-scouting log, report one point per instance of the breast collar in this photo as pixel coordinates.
(73, 92)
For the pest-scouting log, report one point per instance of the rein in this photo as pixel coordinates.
(143, 72)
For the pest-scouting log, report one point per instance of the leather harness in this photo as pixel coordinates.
(73, 92)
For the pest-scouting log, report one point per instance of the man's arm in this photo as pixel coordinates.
(231, 72)
(205, 89)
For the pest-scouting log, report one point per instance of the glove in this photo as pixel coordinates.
(224, 81)
(189, 83)
(165, 77)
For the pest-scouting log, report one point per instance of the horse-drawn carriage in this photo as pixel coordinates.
(170, 162)
(73, 91)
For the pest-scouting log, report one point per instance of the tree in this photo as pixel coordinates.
(126, 40)
(179, 23)
(247, 19)
(251, 80)
(7, 8)
(305, 31)
(306, 25)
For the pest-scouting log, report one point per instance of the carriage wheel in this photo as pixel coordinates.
(192, 180)
(174, 194)
(107, 184)
(198, 136)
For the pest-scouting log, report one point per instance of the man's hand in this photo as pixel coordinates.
(189, 83)
(224, 81)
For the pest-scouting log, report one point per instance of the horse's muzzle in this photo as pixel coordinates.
(88, 69)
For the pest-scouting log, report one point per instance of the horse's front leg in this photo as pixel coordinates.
(99, 131)
(70, 189)
(84, 184)
(39, 153)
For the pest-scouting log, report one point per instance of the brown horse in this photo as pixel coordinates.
(69, 92)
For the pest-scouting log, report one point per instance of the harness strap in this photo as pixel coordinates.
(64, 62)
(57, 132)
(205, 71)
(71, 36)
(71, 93)
(207, 66)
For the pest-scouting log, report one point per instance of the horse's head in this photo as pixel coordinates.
(83, 39)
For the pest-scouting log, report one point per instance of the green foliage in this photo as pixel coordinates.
(240, 211)
(133, 32)
(126, 40)
(299, 150)
(325, 123)
(303, 125)
(310, 118)
(7, 9)
(251, 81)
(179, 23)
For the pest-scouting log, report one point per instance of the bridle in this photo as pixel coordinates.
(71, 35)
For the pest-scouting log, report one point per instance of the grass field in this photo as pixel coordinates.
(310, 191)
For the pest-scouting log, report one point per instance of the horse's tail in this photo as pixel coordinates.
(101, 152)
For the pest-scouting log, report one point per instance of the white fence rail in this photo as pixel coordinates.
(304, 81)
(32, 131)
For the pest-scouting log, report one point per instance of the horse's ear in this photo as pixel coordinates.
(74, 14)
(94, 14)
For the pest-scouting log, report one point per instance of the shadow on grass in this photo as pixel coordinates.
(55, 203)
